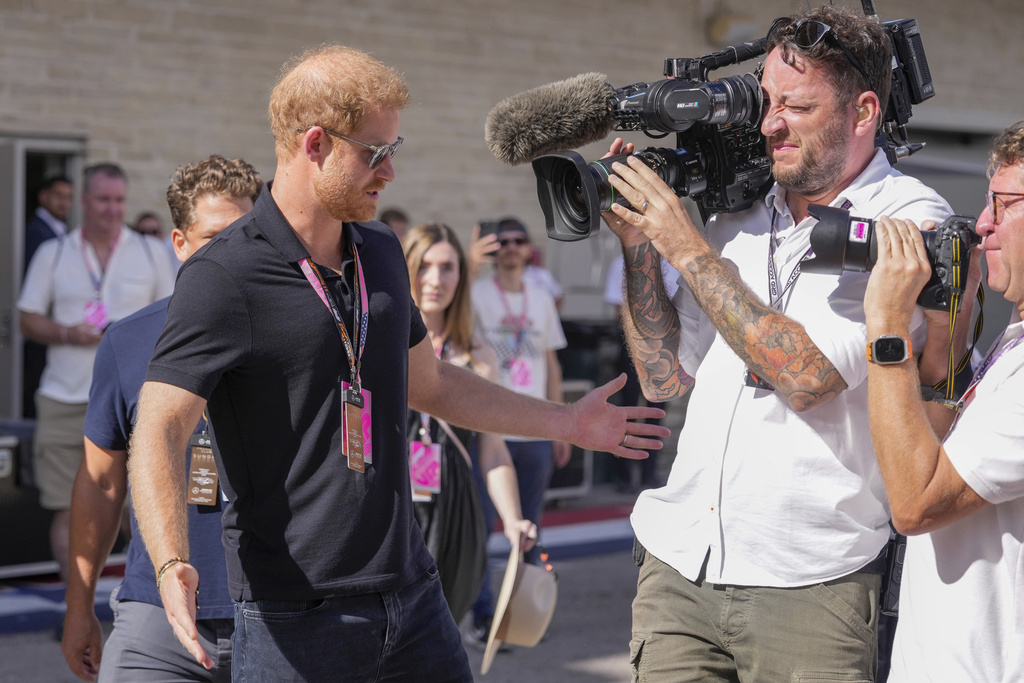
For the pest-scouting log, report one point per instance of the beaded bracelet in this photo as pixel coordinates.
(165, 566)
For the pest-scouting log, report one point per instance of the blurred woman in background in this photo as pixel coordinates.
(450, 515)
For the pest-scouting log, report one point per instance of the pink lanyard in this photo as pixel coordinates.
(361, 318)
(520, 321)
(97, 281)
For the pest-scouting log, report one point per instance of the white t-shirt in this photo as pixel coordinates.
(774, 497)
(962, 594)
(543, 279)
(521, 347)
(58, 285)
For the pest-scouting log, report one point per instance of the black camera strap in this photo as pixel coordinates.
(947, 391)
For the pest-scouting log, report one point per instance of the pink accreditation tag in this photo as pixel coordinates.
(367, 424)
(96, 314)
(521, 373)
(425, 466)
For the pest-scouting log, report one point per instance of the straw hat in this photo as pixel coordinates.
(525, 606)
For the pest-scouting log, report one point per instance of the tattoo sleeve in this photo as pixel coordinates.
(651, 327)
(777, 348)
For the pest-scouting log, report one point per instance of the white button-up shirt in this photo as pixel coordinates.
(770, 496)
(58, 285)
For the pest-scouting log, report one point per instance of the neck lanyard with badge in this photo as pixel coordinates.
(96, 312)
(355, 400)
(750, 378)
(203, 475)
(520, 371)
(988, 363)
(425, 455)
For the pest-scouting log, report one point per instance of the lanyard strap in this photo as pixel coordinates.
(773, 276)
(97, 280)
(521, 321)
(989, 362)
(361, 318)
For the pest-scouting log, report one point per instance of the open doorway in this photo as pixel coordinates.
(25, 163)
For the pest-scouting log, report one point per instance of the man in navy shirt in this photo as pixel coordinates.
(296, 328)
(204, 198)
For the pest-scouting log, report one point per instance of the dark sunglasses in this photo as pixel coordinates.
(517, 241)
(377, 152)
(808, 32)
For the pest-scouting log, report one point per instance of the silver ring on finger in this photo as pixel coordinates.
(643, 207)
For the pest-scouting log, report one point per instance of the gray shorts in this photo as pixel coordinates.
(142, 648)
(697, 631)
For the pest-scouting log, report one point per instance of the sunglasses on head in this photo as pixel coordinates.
(808, 32)
(377, 152)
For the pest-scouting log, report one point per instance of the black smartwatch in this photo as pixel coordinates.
(889, 349)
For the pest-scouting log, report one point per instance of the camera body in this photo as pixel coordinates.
(842, 242)
(720, 158)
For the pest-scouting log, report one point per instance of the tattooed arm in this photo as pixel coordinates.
(775, 347)
(651, 326)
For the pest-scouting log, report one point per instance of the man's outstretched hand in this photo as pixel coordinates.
(600, 426)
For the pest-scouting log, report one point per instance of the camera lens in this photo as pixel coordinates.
(569, 190)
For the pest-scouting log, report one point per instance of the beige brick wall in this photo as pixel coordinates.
(156, 83)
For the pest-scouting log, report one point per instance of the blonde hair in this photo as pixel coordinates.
(1008, 149)
(332, 86)
(458, 317)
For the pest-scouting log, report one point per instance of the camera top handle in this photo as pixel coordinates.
(697, 68)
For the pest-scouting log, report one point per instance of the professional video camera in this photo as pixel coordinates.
(719, 159)
(841, 242)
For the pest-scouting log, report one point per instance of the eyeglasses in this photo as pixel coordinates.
(377, 152)
(998, 206)
(808, 32)
(516, 241)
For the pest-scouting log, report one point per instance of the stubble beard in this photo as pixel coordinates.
(821, 163)
(336, 192)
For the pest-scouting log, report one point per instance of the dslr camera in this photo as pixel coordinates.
(719, 159)
(841, 242)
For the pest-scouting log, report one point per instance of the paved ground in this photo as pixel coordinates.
(588, 640)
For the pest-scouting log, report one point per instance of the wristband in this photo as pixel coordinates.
(64, 335)
(165, 566)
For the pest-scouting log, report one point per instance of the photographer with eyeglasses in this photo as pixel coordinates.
(761, 558)
(954, 473)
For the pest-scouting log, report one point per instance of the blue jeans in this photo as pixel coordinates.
(535, 463)
(402, 635)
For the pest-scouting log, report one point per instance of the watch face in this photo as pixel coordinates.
(889, 350)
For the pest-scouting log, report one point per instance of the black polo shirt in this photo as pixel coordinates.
(246, 331)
